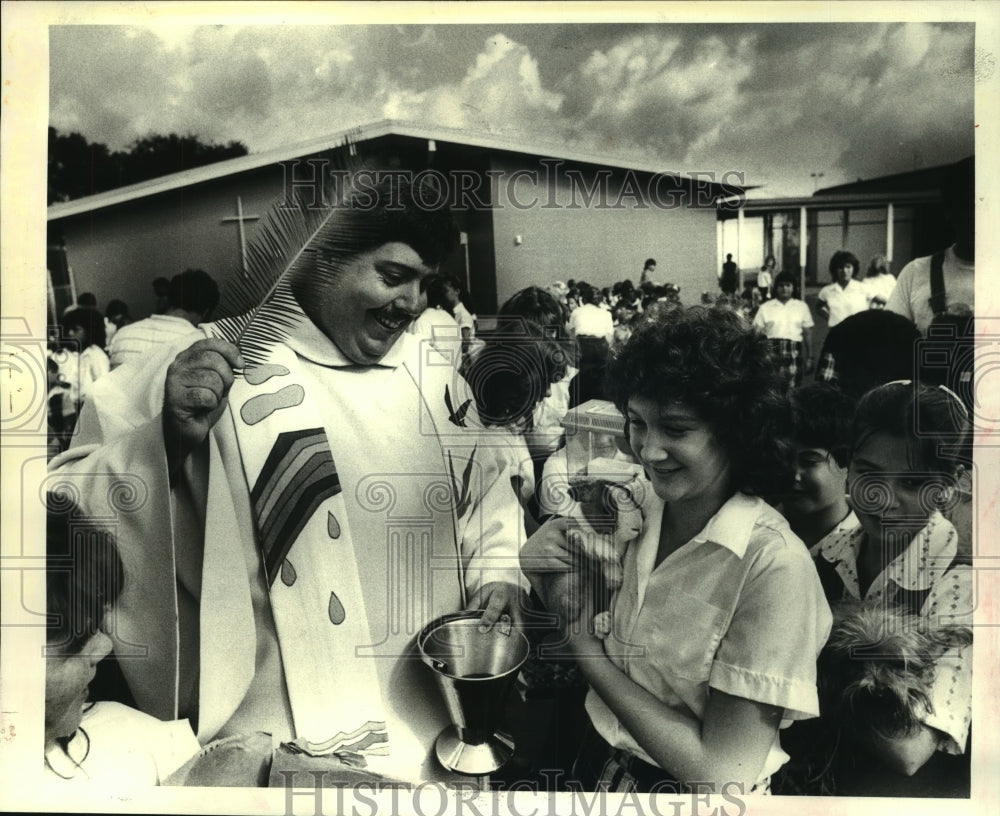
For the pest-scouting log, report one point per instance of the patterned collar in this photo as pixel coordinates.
(927, 557)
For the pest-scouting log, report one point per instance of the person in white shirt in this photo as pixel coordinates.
(912, 295)
(720, 615)
(845, 296)
(193, 296)
(465, 319)
(436, 324)
(276, 481)
(904, 556)
(817, 505)
(85, 361)
(765, 278)
(787, 323)
(879, 282)
(589, 319)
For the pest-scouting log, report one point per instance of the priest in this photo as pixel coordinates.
(299, 506)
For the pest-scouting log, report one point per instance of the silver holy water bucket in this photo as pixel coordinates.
(475, 672)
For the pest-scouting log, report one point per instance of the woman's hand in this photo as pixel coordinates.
(557, 569)
(566, 579)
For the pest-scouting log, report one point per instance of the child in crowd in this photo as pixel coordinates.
(84, 328)
(787, 324)
(766, 278)
(508, 378)
(845, 296)
(879, 282)
(537, 310)
(701, 667)
(452, 294)
(436, 324)
(105, 743)
(58, 387)
(817, 505)
(905, 555)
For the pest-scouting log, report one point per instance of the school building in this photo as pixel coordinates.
(899, 216)
(527, 214)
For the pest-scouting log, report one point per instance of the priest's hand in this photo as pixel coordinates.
(194, 398)
(498, 598)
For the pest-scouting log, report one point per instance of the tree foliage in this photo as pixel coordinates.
(79, 168)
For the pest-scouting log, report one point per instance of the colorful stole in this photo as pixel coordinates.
(306, 549)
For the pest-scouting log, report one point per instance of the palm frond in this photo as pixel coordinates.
(296, 243)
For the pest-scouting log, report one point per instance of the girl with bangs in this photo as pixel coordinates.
(715, 629)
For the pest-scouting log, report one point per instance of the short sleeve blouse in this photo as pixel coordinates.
(716, 614)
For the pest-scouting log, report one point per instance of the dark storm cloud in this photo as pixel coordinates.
(777, 101)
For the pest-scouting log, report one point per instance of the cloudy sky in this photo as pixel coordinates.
(779, 102)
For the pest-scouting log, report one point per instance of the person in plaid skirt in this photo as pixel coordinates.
(787, 324)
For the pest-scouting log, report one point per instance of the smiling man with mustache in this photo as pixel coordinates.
(308, 513)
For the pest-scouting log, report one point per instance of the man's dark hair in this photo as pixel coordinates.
(194, 290)
(379, 209)
(116, 308)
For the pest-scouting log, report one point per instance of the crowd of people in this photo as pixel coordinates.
(392, 459)
(91, 344)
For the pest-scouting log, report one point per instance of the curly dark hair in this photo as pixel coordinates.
(538, 306)
(511, 375)
(712, 362)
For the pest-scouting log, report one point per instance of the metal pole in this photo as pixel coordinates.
(890, 226)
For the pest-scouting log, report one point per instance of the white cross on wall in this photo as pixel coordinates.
(240, 218)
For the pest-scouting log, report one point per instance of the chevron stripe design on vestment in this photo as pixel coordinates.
(298, 476)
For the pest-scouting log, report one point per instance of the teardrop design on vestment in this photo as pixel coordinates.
(336, 610)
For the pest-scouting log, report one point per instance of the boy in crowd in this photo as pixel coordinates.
(817, 504)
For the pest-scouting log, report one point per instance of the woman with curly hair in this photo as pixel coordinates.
(715, 630)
